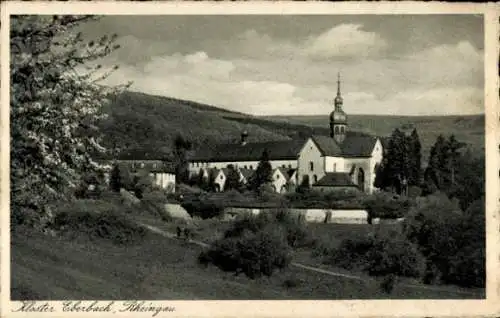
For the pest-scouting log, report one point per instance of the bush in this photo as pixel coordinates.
(387, 206)
(452, 241)
(252, 253)
(328, 200)
(203, 208)
(351, 253)
(296, 232)
(97, 220)
(379, 254)
(394, 254)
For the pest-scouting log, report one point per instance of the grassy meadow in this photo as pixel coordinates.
(55, 268)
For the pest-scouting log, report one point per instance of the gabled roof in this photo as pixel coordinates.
(355, 145)
(352, 146)
(335, 179)
(247, 173)
(327, 146)
(277, 150)
(286, 172)
(358, 146)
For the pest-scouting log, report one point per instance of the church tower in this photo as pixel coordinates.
(338, 118)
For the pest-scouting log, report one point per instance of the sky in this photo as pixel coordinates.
(288, 64)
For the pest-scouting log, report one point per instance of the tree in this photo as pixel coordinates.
(415, 158)
(233, 179)
(437, 159)
(181, 147)
(211, 180)
(397, 165)
(56, 101)
(381, 179)
(202, 180)
(264, 171)
(469, 180)
(453, 155)
(443, 161)
(115, 180)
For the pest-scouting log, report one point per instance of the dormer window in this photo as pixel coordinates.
(311, 166)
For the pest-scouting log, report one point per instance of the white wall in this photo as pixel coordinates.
(279, 180)
(164, 180)
(220, 179)
(334, 164)
(310, 153)
(313, 215)
(194, 167)
(376, 159)
(363, 163)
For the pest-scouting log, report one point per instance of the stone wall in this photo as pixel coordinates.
(310, 215)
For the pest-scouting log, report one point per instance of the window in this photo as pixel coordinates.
(283, 166)
(342, 129)
(245, 167)
(154, 165)
(289, 166)
(315, 177)
(251, 167)
(311, 166)
(336, 130)
(334, 167)
(221, 177)
(277, 176)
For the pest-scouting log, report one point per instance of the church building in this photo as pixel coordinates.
(344, 160)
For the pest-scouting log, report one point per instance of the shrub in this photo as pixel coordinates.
(297, 232)
(378, 254)
(388, 206)
(253, 253)
(97, 219)
(453, 242)
(351, 253)
(203, 208)
(394, 254)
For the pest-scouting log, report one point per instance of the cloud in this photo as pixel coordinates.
(197, 64)
(264, 75)
(345, 40)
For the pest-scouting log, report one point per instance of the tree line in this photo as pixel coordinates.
(451, 168)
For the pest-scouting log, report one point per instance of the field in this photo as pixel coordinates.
(45, 267)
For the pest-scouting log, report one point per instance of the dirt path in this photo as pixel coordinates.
(315, 269)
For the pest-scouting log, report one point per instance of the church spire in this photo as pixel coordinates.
(338, 84)
(338, 98)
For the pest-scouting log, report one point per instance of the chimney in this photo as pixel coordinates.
(244, 136)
